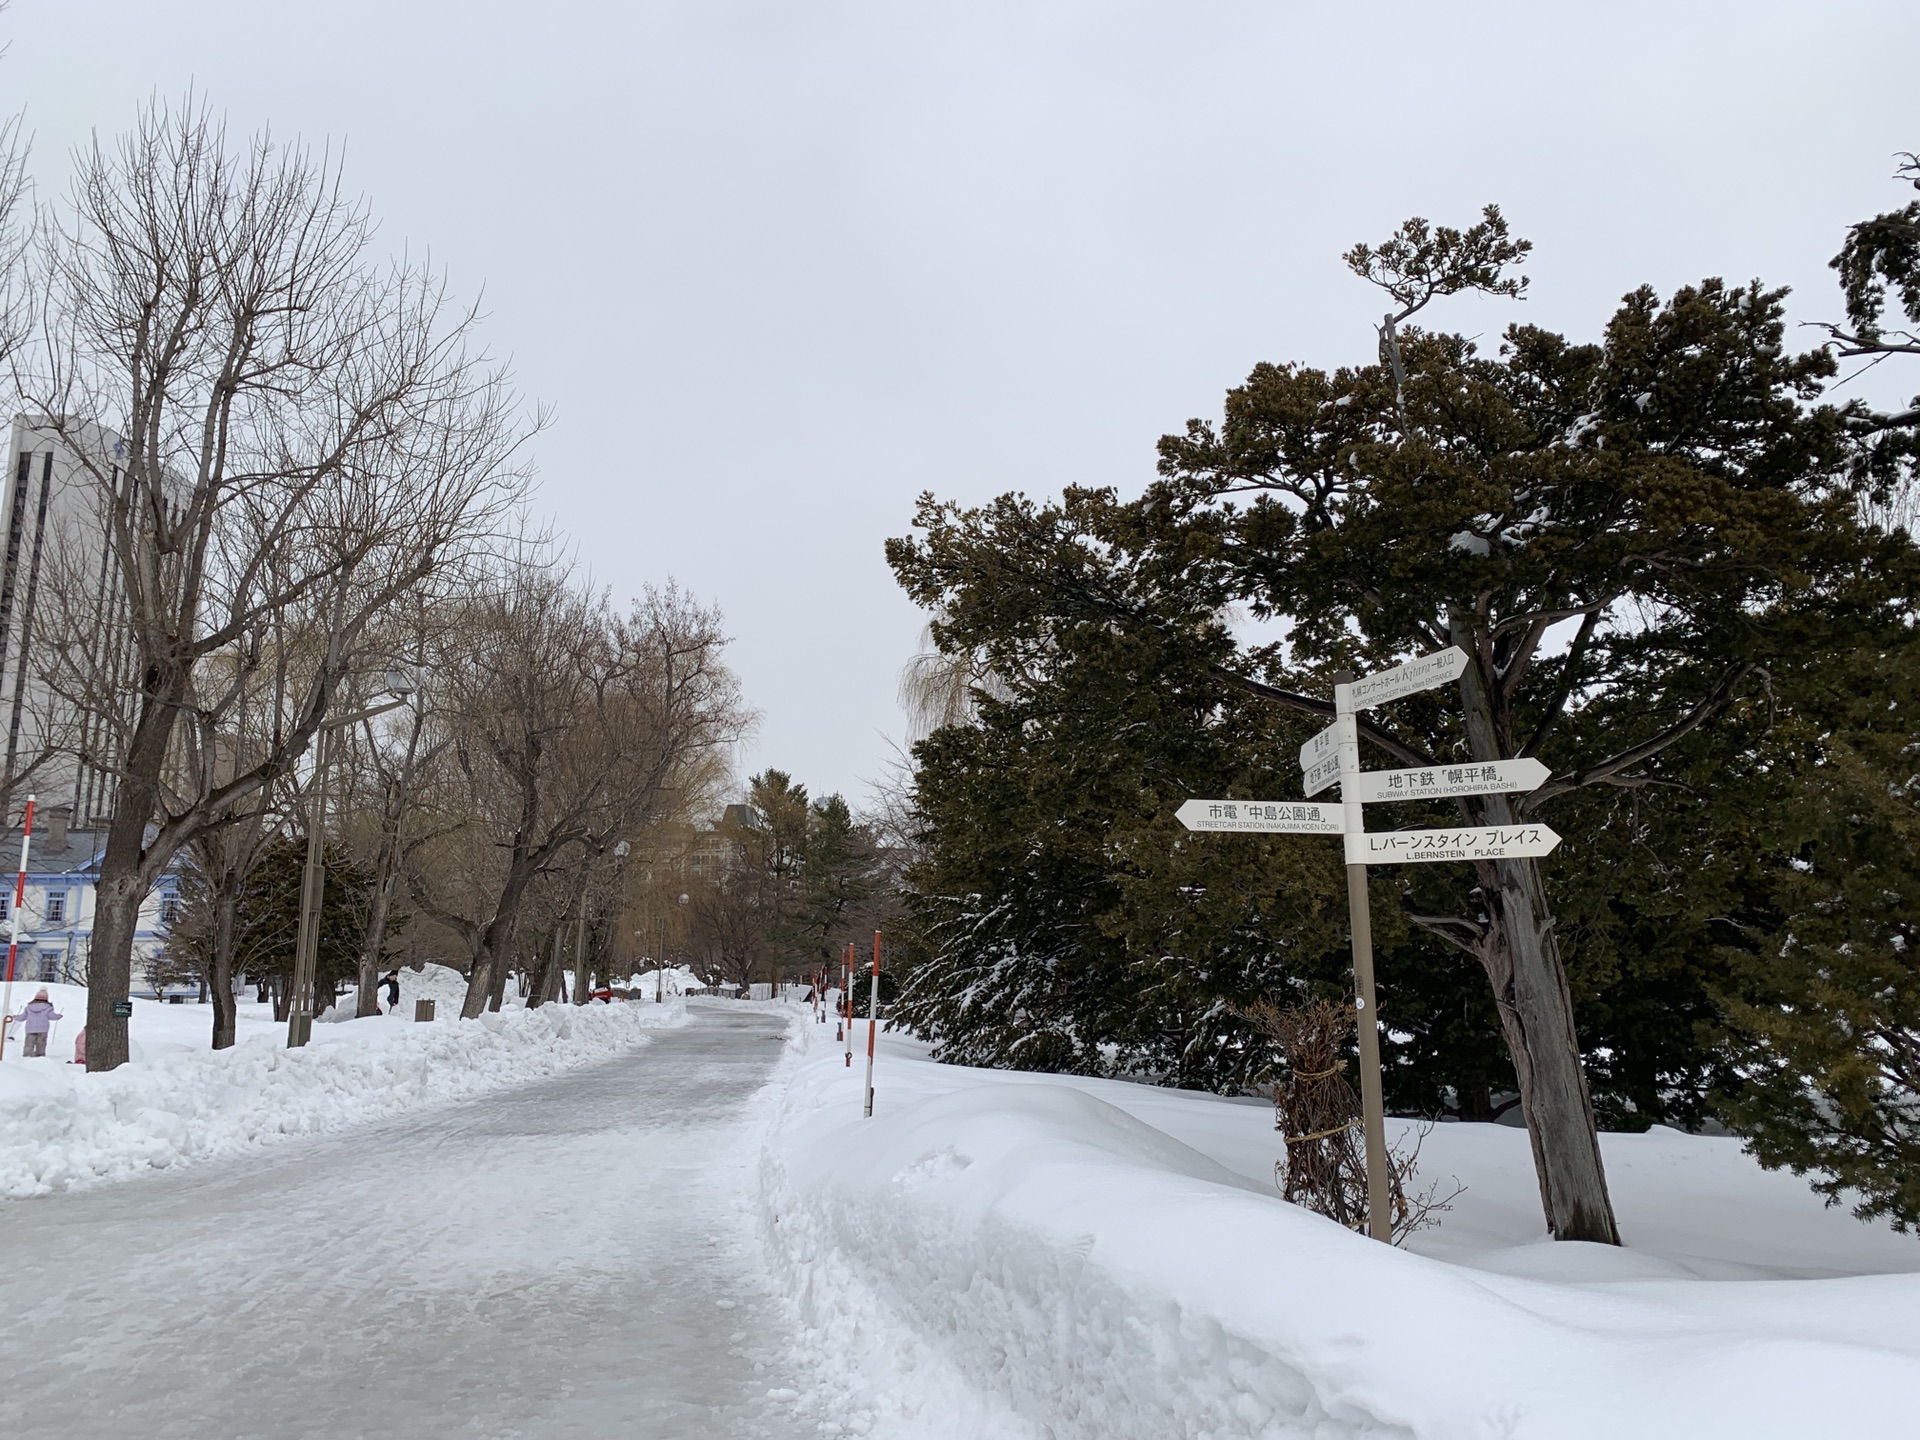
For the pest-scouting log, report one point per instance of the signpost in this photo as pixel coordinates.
(1417, 847)
(1444, 782)
(1261, 817)
(1428, 672)
(1334, 755)
(1316, 777)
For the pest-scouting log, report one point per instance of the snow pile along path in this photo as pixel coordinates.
(71, 1129)
(1020, 1256)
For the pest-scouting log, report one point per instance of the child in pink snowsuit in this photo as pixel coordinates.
(39, 1017)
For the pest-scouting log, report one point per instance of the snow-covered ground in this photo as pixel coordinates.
(179, 1102)
(571, 1258)
(1026, 1256)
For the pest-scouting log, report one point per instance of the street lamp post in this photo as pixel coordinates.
(313, 878)
(660, 975)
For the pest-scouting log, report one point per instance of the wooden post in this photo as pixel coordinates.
(1360, 919)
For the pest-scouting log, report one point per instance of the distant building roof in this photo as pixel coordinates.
(81, 852)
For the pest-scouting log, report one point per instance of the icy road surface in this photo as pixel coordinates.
(569, 1259)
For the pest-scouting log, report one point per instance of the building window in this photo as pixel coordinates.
(56, 907)
(169, 909)
(49, 966)
(6, 904)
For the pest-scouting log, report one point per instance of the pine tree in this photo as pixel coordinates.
(1822, 987)
(1624, 537)
(267, 920)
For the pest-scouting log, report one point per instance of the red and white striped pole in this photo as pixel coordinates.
(13, 943)
(873, 1018)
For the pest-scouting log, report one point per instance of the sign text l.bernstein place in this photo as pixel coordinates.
(1417, 847)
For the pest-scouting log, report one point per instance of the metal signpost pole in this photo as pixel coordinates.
(19, 918)
(1360, 918)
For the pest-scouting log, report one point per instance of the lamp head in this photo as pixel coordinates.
(399, 682)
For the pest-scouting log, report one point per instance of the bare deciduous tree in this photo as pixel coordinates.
(568, 727)
(303, 436)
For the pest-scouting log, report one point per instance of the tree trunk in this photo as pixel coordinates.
(1521, 956)
(381, 906)
(479, 981)
(110, 967)
(278, 989)
(1536, 1015)
(581, 990)
(123, 879)
(545, 976)
(220, 966)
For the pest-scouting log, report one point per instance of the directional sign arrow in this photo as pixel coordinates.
(1261, 816)
(1320, 747)
(1408, 679)
(1318, 776)
(1415, 847)
(1439, 782)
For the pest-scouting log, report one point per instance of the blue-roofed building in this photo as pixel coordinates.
(55, 926)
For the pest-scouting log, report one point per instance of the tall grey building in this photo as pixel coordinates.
(56, 566)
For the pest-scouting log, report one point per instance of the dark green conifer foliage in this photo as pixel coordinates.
(267, 921)
(1627, 537)
(1879, 268)
(1822, 979)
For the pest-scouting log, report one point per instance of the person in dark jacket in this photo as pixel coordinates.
(392, 982)
(38, 1018)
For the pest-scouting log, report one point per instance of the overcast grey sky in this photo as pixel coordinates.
(780, 266)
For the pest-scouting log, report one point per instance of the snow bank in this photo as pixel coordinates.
(1023, 1255)
(442, 984)
(678, 980)
(61, 1128)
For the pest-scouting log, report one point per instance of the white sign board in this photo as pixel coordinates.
(1320, 748)
(1415, 847)
(1441, 782)
(1408, 679)
(1317, 777)
(1261, 817)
